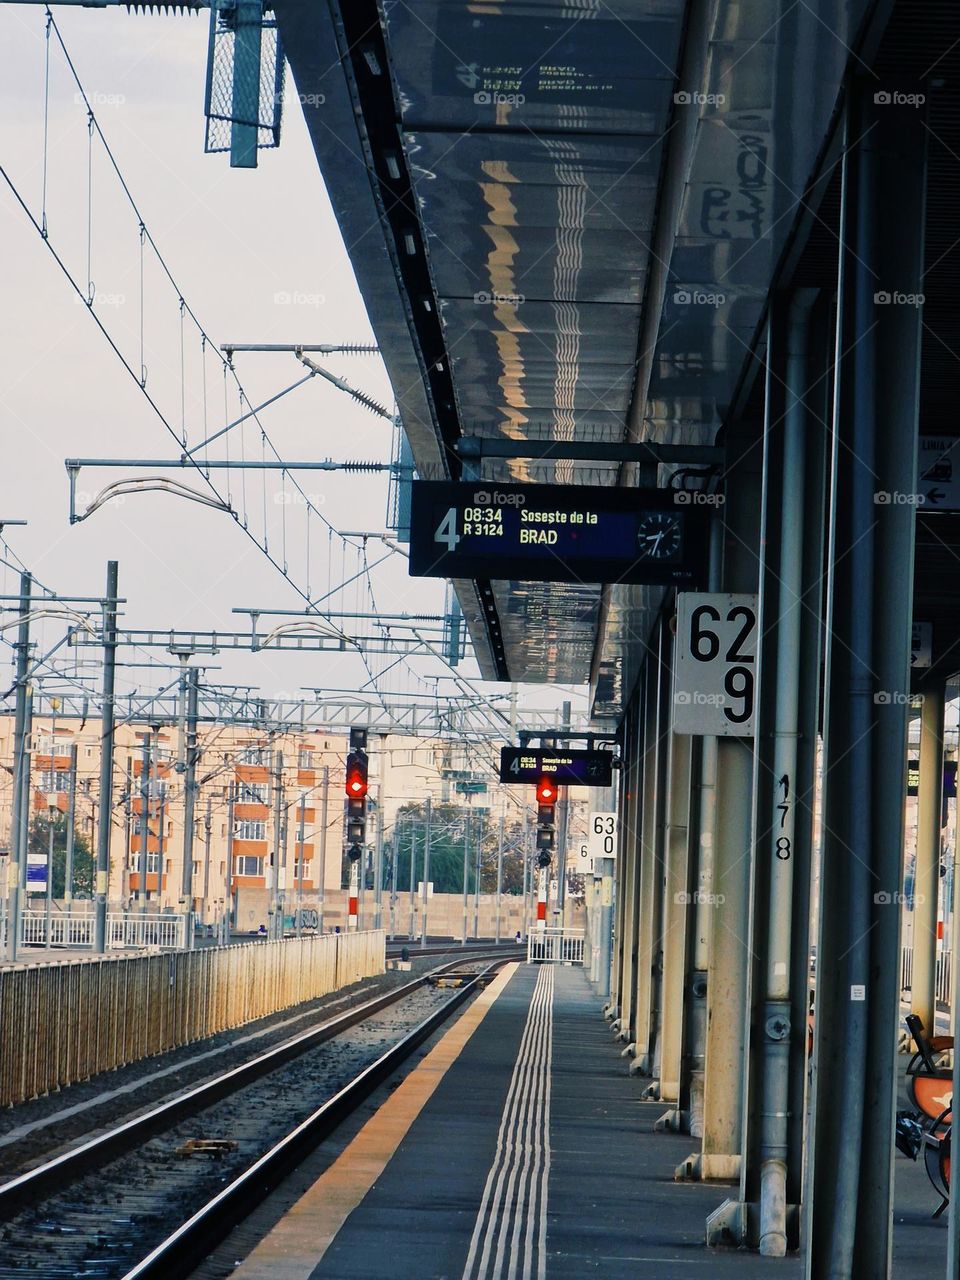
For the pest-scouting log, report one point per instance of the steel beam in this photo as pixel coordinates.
(476, 448)
(849, 1203)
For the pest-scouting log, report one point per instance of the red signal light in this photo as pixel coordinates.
(356, 784)
(546, 792)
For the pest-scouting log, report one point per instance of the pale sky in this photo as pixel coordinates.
(259, 258)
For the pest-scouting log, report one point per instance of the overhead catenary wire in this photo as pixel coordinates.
(186, 313)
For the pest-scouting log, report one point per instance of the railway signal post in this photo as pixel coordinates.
(356, 813)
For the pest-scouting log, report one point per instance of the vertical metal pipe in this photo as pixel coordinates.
(23, 810)
(207, 835)
(633, 809)
(126, 892)
(650, 897)
(191, 685)
(926, 886)
(605, 942)
(71, 831)
(274, 870)
(17, 870)
(500, 872)
(476, 882)
(144, 821)
(301, 837)
(781, 592)
(676, 914)
(466, 865)
(322, 876)
(953, 1220)
(228, 879)
(102, 884)
(48, 896)
(378, 871)
(426, 873)
(413, 880)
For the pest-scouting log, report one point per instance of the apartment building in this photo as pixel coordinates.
(268, 813)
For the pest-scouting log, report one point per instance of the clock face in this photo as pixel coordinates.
(659, 535)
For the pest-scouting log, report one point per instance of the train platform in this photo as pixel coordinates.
(520, 1147)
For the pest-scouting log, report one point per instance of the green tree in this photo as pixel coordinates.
(448, 829)
(83, 861)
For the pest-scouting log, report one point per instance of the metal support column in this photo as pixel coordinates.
(651, 863)
(784, 793)
(725, 1060)
(207, 838)
(276, 872)
(144, 822)
(322, 871)
(926, 884)
(466, 873)
(71, 832)
(191, 690)
(17, 870)
(604, 867)
(500, 872)
(677, 908)
(426, 873)
(298, 861)
(629, 864)
(848, 1211)
(102, 883)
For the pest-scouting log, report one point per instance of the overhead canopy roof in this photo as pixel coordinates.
(565, 216)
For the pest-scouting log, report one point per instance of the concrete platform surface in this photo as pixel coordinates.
(519, 1147)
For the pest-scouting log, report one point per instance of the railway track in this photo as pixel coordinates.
(91, 1211)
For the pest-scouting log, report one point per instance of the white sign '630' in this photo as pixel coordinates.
(715, 672)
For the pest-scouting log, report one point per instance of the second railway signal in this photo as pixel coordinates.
(546, 819)
(356, 788)
(546, 842)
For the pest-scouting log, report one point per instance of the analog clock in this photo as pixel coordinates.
(659, 535)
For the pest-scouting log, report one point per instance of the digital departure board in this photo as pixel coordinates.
(575, 768)
(556, 533)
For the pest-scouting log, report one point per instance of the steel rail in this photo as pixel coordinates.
(179, 1255)
(52, 1175)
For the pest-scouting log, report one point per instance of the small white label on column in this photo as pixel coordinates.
(858, 991)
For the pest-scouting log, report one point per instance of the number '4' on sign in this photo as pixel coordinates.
(715, 667)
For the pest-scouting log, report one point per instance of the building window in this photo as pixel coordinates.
(153, 864)
(250, 792)
(305, 759)
(54, 780)
(254, 755)
(247, 866)
(249, 829)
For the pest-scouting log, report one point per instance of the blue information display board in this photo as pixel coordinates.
(556, 533)
(576, 768)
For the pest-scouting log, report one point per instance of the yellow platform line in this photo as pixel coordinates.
(299, 1241)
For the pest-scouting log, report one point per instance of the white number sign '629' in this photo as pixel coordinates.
(715, 672)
